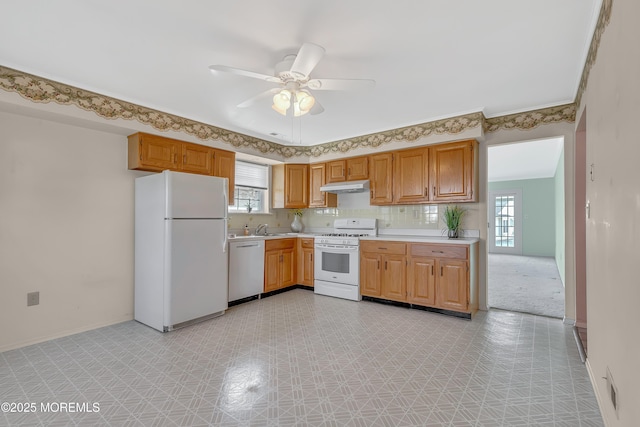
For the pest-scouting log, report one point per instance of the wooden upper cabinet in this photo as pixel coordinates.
(452, 172)
(290, 186)
(357, 168)
(353, 169)
(336, 171)
(381, 178)
(154, 153)
(317, 198)
(224, 165)
(411, 176)
(196, 159)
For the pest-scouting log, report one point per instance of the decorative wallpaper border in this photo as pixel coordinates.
(40, 90)
(603, 20)
(531, 119)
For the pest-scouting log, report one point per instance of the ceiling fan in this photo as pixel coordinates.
(293, 96)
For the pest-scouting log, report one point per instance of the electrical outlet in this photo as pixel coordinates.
(33, 298)
(612, 390)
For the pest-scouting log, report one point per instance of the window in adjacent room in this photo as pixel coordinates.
(252, 188)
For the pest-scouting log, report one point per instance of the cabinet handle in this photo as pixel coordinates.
(281, 258)
(311, 257)
(383, 249)
(434, 190)
(441, 270)
(385, 265)
(184, 158)
(372, 193)
(437, 252)
(175, 157)
(378, 264)
(349, 172)
(140, 150)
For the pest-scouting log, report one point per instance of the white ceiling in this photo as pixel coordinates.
(430, 59)
(524, 160)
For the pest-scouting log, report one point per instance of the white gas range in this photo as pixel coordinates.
(337, 258)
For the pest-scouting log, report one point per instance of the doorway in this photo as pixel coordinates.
(525, 240)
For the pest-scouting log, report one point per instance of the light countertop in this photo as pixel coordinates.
(423, 239)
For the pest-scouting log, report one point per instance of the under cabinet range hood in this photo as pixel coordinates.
(346, 187)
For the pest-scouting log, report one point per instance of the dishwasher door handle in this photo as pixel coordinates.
(247, 246)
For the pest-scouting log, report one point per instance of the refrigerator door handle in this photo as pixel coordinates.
(226, 236)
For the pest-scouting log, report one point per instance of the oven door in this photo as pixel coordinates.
(337, 263)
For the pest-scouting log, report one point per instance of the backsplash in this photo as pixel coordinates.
(414, 217)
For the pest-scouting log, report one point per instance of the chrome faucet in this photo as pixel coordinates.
(260, 228)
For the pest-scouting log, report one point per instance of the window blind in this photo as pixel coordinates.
(252, 175)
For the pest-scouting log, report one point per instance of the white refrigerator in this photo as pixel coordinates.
(181, 257)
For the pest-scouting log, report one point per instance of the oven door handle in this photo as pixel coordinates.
(341, 248)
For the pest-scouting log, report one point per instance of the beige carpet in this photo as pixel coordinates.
(526, 284)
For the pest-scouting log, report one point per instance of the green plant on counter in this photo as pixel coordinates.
(297, 212)
(452, 217)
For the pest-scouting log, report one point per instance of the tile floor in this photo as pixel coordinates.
(302, 359)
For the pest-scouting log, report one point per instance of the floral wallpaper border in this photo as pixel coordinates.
(42, 90)
(603, 20)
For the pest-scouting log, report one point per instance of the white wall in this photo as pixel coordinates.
(66, 229)
(613, 231)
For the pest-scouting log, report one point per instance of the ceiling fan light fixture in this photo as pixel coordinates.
(305, 101)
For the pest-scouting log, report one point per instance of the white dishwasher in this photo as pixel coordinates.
(246, 269)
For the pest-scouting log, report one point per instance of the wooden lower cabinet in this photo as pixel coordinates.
(305, 262)
(431, 275)
(279, 264)
(383, 270)
(452, 286)
(421, 281)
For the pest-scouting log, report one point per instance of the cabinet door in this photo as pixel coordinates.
(224, 165)
(452, 172)
(336, 171)
(394, 283)
(317, 198)
(411, 176)
(452, 288)
(271, 270)
(296, 186)
(370, 274)
(357, 168)
(421, 281)
(307, 267)
(197, 159)
(288, 266)
(158, 153)
(380, 175)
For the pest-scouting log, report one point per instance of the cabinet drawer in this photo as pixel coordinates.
(439, 251)
(396, 248)
(307, 243)
(277, 244)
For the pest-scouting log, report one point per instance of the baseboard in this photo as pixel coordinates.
(596, 391)
(66, 333)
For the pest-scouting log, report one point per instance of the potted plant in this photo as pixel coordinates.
(296, 225)
(452, 218)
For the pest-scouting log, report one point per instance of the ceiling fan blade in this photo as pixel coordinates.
(245, 73)
(340, 84)
(307, 58)
(316, 109)
(249, 102)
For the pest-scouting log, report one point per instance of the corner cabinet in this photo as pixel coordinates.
(155, 153)
(279, 264)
